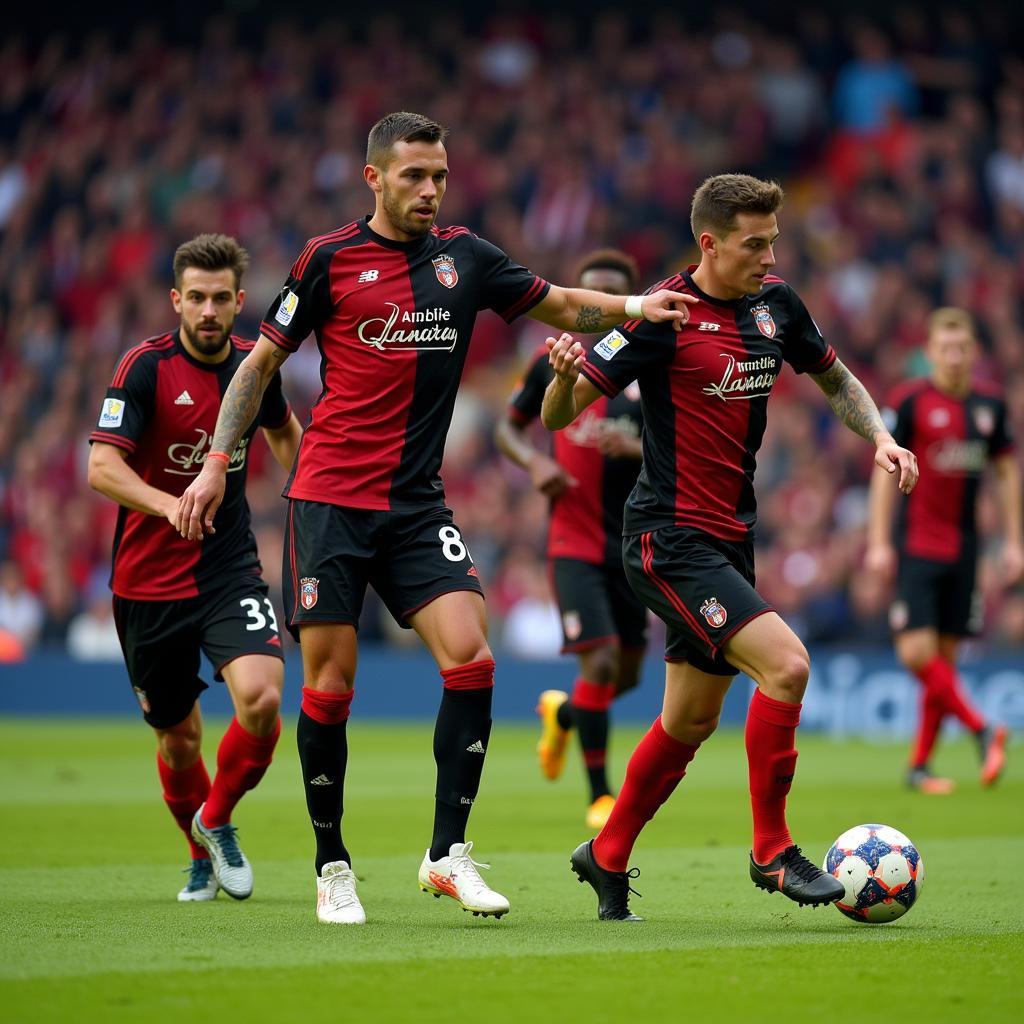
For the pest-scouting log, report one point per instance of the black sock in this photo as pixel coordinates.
(461, 735)
(323, 754)
(592, 729)
(564, 715)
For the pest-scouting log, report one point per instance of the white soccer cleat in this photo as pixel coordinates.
(456, 875)
(201, 883)
(231, 868)
(336, 899)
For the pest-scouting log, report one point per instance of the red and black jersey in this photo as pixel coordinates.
(953, 438)
(161, 408)
(705, 395)
(393, 321)
(586, 520)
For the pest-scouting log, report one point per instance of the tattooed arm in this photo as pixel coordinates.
(241, 402)
(853, 405)
(579, 309)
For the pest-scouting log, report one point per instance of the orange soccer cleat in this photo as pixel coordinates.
(993, 746)
(553, 738)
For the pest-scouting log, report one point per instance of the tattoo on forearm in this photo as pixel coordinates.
(851, 402)
(238, 409)
(588, 319)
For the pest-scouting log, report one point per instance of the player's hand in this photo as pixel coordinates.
(199, 504)
(614, 443)
(664, 305)
(566, 357)
(880, 559)
(1012, 559)
(890, 456)
(548, 477)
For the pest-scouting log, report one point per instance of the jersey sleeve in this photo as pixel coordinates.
(275, 409)
(627, 353)
(506, 287)
(1001, 442)
(805, 349)
(128, 404)
(304, 302)
(524, 405)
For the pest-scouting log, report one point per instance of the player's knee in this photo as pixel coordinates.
(601, 666)
(692, 729)
(261, 712)
(179, 749)
(625, 682)
(788, 680)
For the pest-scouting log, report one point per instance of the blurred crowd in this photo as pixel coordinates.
(900, 145)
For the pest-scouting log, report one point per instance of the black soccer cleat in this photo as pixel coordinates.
(792, 874)
(612, 887)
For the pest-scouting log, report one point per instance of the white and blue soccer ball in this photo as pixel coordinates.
(881, 871)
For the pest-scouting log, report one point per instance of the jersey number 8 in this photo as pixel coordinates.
(452, 544)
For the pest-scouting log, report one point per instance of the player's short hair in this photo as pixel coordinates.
(211, 252)
(951, 317)
(720, 198)
(400, 126)
(610, 259)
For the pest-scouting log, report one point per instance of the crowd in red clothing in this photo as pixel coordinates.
(900, 145)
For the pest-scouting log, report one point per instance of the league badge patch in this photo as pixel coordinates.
(764, 321)
(112, 414)
(308, 591)
(984, 420)
(444, 268)
(610, 345)
(714, 612)
(286, 310)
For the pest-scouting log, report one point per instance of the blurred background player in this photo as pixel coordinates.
(173, 599)
(688, 548)
(958, 426)
(588, 479)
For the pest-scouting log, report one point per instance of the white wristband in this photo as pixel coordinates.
(634, 307)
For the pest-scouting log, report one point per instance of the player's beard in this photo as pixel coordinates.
(208, 346)
(399, 220)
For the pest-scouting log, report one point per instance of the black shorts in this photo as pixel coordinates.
(937, 595)
(331, 553)
(597, 606)
(161, 641)
(701, 586)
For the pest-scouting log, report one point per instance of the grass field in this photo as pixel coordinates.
(90, 930)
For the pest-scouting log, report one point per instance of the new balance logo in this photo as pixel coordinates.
(184, 399)
(321, 780)
(706, 326)
(368, 275)
(476, 748)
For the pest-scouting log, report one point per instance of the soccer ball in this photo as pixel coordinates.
(881, 870)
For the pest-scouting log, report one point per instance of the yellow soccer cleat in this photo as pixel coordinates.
(599, 811)
(553, 738)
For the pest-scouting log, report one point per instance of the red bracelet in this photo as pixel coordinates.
(219, 455)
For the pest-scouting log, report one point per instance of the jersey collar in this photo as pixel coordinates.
(687, 276)
(390, 243)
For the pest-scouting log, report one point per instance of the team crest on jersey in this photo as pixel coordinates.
(764, 321)
(572, 625)
(308, 591)
(984, 420)
(714, 612)
(142, 699)
(444, 268)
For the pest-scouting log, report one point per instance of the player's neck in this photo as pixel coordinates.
(707, 281)
(210, 358)
(954, 390)
(380, 225)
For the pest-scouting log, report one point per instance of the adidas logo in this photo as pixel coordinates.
(476, 748)
(320, 780)
(184, 399)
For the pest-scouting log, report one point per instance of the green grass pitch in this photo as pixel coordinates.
(90, 859)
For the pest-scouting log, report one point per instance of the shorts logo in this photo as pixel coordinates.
(142, 699)
(471, 571)
(610, 345)
(289, 303)
(572, 625)
(308, 587)
(113, 412)
(899, 616)
(444, 268)
(714, 612)
(984, 420)
(763, 320)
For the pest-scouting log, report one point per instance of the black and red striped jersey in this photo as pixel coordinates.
(393, 321)
(953, 439)
(705, 395)
(586, 519)
(161, 408)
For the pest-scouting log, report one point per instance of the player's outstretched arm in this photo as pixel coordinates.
(109, 474)
(1008, 482)
(579, 309)
(568, 394)
(880, 556)
(853, 405)
(241, 402)
(546, 475)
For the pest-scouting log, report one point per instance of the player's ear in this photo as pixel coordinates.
(176, 300)
(239, 300)
(372, 176)
(708, 243)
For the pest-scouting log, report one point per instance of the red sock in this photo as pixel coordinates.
(933, 710)
(184, 793)
(242, 760)
(940, 677)
(771, 762)
(653, 772)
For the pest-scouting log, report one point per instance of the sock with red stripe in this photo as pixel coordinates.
(590, 703)
(461, 735)
(941, 678)
(323, 755)
(242, 760)
(771, 762)
(655, 769)
(933, 710)
(184, 794)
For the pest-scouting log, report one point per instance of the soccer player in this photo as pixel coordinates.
(959, 426)
(589, 477)
(173, 599)
(392, 299)
(688, 523)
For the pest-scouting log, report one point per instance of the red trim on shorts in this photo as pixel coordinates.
(739, 625)
(647, 559)
(291, 558)
(273, 652)
(588, 645)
